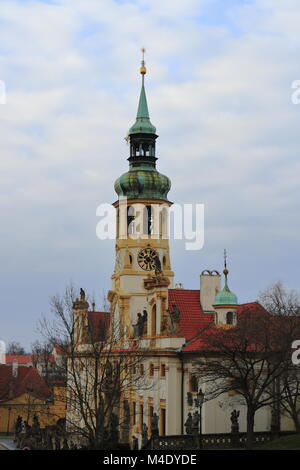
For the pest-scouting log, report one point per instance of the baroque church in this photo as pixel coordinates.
(166, 319)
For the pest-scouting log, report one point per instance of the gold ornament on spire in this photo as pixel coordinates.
(225, 263)
(143, 69)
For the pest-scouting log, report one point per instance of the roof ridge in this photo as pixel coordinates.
(179, 289)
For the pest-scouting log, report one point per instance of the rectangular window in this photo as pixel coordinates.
(163, 370)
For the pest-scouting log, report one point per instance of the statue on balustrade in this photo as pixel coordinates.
(189, 424)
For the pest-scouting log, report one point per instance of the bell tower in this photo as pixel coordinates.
(142, 221)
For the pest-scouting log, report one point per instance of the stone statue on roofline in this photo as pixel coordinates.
(135, 443)
(195, 422)
(274, 421)
(165, 324)
(157, 265)
(144, 435)
(18, 425)
(82, 294)
(145, 318)
(235, 421)
(114, 423)
(154, 425)
(140, 328)
(189, 424)
(126, 412)
(36, 424)
(81, 303)
(235, 428)
(174, 317)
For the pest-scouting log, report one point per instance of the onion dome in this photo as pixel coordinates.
(143, 184)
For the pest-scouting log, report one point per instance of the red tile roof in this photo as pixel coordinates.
(24, 359)
(193, 320)
(28, 379)
(99, 324)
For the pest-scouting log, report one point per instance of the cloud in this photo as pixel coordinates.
(219, 91)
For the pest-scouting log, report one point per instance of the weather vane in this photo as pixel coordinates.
(225, 258)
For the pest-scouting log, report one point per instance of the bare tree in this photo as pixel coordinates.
(279, 301)
(104, 366)
(15, 348)
(43, 359)
(247, 359)
(285, 304)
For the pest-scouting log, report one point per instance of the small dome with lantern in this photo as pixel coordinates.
(225, 296)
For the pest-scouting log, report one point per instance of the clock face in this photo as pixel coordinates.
(146, 259)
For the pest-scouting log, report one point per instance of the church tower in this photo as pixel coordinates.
(142, 218)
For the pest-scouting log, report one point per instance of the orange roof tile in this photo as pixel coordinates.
(193, 320)
(22, 359)
(28, 379)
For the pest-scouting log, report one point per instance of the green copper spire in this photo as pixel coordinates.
(225, 297)
(143, 181)
(142, 123)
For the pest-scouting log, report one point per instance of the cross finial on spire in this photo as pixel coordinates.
(143, 69)
(225, 267)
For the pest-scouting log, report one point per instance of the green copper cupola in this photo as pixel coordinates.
(225, 297)
(142, 134)
(142, 181)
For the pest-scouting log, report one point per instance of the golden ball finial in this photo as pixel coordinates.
(225, 271)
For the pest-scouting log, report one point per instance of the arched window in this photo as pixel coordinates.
(130, 220)
(147, 220)
(229, 318)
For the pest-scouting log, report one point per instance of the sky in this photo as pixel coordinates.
(219, 88)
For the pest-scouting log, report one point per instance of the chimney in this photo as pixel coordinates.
(15, 366)
(210, 285)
